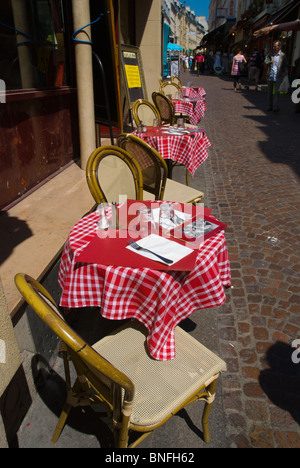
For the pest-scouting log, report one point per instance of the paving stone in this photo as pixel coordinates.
(252, 184)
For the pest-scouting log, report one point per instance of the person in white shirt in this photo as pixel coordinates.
(278, 67)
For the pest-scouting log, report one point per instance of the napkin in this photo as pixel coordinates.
(177, 132)
(179, 218)
(161, 246)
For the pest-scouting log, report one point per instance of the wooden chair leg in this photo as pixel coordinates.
(206, 412)
(187, 178)
(61, 422)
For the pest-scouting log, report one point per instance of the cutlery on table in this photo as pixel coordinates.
(136, 246)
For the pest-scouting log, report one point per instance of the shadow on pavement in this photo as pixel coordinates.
(281, 129)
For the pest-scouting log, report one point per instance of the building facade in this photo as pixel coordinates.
(186, 29)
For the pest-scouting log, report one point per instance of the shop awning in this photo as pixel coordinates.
(287, 10)
(172, 46)
(218, 31)
(290, 26)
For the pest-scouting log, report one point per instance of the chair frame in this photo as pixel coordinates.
(160, 165)
(170, 120)
(175, 79)
(92, 171)
(75, 348)
(98, 381)
(169, 83)
(143, 102)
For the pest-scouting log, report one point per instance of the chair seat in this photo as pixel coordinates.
(160, 386)
(177, 192)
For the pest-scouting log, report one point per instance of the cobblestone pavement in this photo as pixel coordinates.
(252, 184)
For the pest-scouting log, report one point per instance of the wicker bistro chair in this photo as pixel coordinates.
(170, 88)
(139, 393)
(144, 111)
(175, 79)
(110, 172)
(165, 108)
(155, 173)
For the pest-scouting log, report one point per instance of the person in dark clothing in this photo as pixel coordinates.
(254, 68)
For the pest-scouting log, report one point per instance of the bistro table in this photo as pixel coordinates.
(194, 108)
(188, 147)
(158, 298)
(193, 92)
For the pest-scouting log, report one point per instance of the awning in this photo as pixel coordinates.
(237, 26)
(207, 37)
(172, 46)
(218, 33)
(281, 14)
(290, 26)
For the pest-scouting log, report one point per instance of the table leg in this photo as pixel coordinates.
(170, 167)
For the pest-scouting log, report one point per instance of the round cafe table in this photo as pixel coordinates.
(195, 108)
(158, 299)
(194, 92)
(189, 149)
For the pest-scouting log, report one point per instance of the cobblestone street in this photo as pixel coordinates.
(252, 184)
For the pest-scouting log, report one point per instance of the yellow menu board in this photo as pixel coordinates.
(133, 76)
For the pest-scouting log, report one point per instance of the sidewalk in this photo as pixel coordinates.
(251, 182)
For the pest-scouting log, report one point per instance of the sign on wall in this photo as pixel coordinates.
(133, 73)
(231, 9)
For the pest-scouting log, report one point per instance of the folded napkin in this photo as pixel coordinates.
(161, 246)
(177, 132)
(179, 218)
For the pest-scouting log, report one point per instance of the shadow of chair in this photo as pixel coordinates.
(144, 112)
(155, 173)
(139, 393)
(111, 172)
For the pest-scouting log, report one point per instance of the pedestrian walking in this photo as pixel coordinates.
(254, 69)
(200, 61)
(186, 63)
(278, 67)
(236, 69)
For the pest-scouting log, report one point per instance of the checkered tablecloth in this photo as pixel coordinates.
(193, 92)
(189, 150)
(158, 299)
(194, 109)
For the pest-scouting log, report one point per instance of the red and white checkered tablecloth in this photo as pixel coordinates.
(189, 150)
(158, 299)
(194, 109)
(193, 92)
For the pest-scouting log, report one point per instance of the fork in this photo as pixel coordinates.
(136, 246)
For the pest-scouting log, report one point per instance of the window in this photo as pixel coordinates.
(32, 48)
